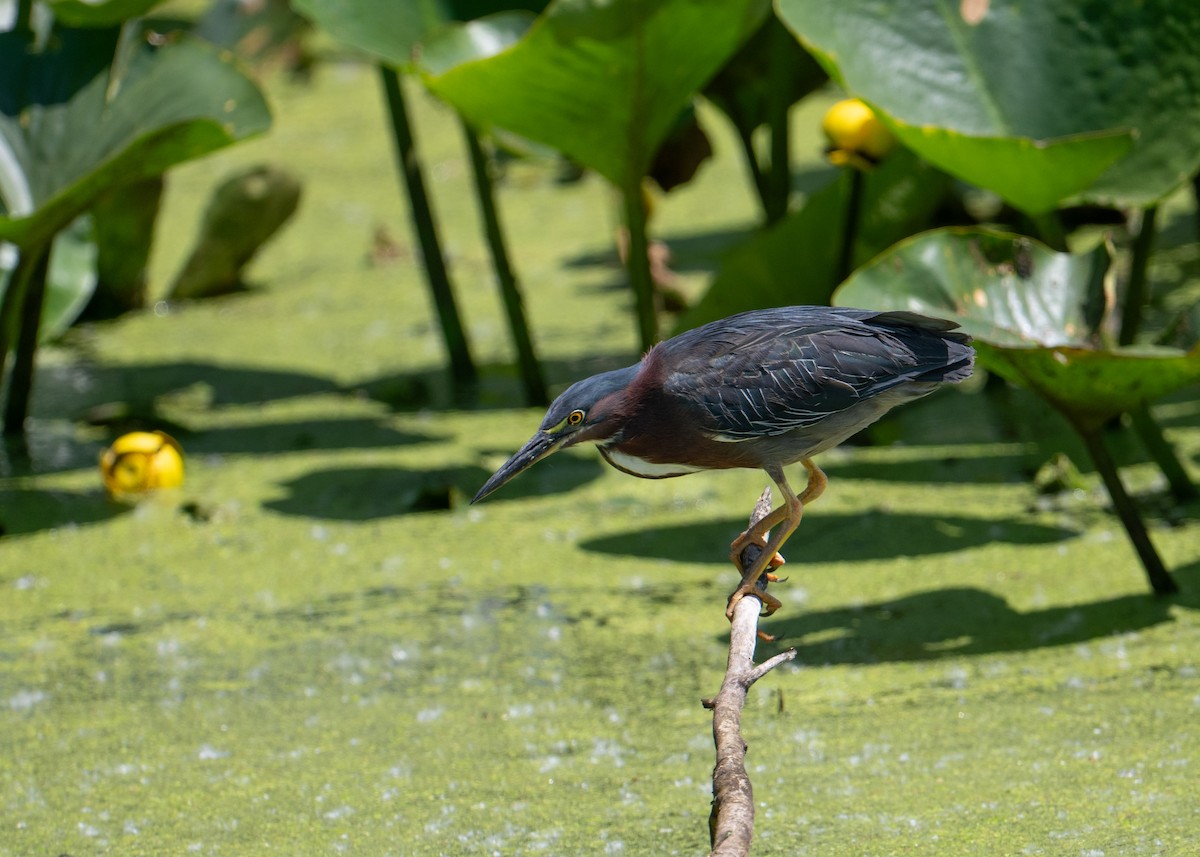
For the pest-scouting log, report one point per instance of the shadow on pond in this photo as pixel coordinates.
(138, 387)
(124, 398)
(940, 466)
(499, 388)
(222, 384)
(24, 511)
(62, 450)
(352, 608)
(369, 493)
(315, 434)
(832, 537)
(965, 621)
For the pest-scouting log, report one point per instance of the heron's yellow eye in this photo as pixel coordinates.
(575, 418)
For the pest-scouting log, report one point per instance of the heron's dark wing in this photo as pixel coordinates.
(766, 374)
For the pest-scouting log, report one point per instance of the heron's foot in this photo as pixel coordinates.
(770, 602)
(744, 541)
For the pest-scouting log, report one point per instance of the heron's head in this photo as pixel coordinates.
(585, 411)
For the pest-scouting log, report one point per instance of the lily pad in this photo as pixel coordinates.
(391, 31)
(71, 278)
(1009, 94)
(602, 82)
(84, 121)
(474, 40)
(382, 28)
(90, 110)
(99, 13)
(1035, 315)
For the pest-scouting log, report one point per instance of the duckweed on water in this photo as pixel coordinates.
(282, 656)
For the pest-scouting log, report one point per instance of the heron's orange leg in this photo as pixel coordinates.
(786, 518)
(816, 482)
(755, 535)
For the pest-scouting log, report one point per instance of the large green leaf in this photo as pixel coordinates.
(600, 80)
(390, 30)
(474, 40)
(80, 122)
(71, 279)
(1034, 314)
(1091, 387)
(383, 28)
(99, 13)
(1035, 176)
(990, 90)
(795, 261)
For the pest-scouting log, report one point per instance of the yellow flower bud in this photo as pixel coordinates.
(141, 461)
(856, 136)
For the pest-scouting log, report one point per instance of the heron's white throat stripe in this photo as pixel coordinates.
(635, 466)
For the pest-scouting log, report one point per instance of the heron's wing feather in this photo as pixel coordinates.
(744, 382)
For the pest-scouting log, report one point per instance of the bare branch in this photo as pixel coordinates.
(770, 664)
(731, 822)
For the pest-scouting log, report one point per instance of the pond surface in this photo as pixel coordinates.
(315, 646)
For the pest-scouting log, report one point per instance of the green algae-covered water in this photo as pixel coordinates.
(303, 651)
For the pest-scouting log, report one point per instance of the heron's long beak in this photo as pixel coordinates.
(537, 448)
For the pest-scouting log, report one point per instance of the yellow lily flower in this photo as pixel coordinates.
(141, 461)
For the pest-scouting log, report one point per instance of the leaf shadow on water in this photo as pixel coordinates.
(137, 389)
(63, 451)
(348, 609)
(834, 537)
(960, 621)
(25, 510)
(305, 434)
(224, 384)
(939, 466)
(500, 386)
(369, 493)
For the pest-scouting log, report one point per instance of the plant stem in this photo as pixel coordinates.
(1050, 229)
(756, 171)
(24, 16)
(779, 179)
(510, 292)
(462, 368)
(850, 226)
(1135, 293)
(20, 383)
(1156, 444)
(10, 308)
(1160, 579)
(1143, 420)
(1196, 200)
(638, 263)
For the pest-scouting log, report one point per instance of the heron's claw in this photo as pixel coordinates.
(770, 602)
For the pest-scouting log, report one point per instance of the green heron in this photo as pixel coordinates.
(762, 389)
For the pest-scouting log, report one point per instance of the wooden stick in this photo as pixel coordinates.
(731, 822)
